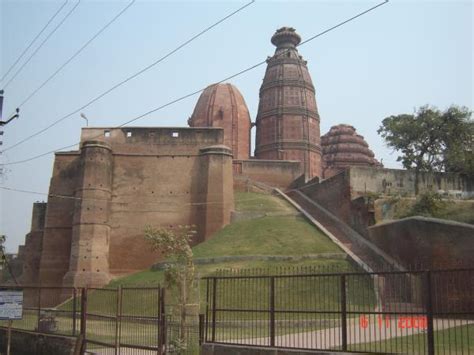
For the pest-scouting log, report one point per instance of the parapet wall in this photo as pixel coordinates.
(402, 182)
(431, 242)
(275, 173)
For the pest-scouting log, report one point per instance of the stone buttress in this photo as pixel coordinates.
(89, 264)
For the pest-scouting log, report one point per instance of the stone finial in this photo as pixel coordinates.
(286, 37)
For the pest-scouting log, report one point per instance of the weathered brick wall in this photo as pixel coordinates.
(274, 173)
(122, 180)
(334, 194)
(428, 241)
(402, 182)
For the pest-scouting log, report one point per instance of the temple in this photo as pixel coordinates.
(288, 119)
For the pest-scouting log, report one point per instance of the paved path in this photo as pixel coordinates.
(374, 332)
(367, 330)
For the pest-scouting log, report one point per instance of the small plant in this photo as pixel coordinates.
(174, 244)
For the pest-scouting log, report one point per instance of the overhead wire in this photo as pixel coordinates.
(200, 90)
(133, 76)
(33, 41)
(42, 43)
(77, 52)
(76, 198)
(143, 202)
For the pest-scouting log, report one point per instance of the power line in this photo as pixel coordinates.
(202, 89)
(141, 71)
(34, 40)
(77, 53)
(66, 197)
(42, 43)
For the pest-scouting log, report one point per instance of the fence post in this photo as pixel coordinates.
(214, 297)
(39, 310)
(207, 311)
(161, 322)
(272, 311)
(343, 312)
(83, 318)
(201, 329)
(429, 313)
(74, 310)
(118, 319)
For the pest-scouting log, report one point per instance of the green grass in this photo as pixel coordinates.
(452, 341)
(283, 235)
(255, 202)
(461, 211)
(267, 235)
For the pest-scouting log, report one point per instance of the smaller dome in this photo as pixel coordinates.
(342, 148)
(223, 106)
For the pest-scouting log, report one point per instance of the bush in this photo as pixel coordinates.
(428, 204)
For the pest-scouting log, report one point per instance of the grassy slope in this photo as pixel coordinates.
(274, 234)
(268, 235)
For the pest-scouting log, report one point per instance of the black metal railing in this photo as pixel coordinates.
(107, 319)
(413, 312)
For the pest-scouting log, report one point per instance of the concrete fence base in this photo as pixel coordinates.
(29, 343)
(224, 349)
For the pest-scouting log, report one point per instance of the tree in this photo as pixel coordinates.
(174, 245)
(432, 140)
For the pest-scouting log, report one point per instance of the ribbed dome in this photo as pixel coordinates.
(342, 148)
(288, 119)
(222, 105)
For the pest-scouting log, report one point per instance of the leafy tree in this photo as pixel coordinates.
(432, 140)
(174, 245)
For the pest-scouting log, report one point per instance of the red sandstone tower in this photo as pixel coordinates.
(288, 119)
(223, 106)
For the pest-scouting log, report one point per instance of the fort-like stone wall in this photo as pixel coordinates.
(103, 196)
(30, 253)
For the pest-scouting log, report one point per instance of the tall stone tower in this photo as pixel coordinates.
(223, 106)
(288, 119)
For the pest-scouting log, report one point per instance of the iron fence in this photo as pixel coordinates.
(49, 310)
(413, 312)
(108, 320)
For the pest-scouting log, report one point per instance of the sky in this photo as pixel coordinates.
(401, 56)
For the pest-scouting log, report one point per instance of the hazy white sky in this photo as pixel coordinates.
(401, 56)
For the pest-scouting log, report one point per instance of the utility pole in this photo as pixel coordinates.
(3, 123)
(16, 115)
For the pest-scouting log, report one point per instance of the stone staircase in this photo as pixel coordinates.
(363, 252)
